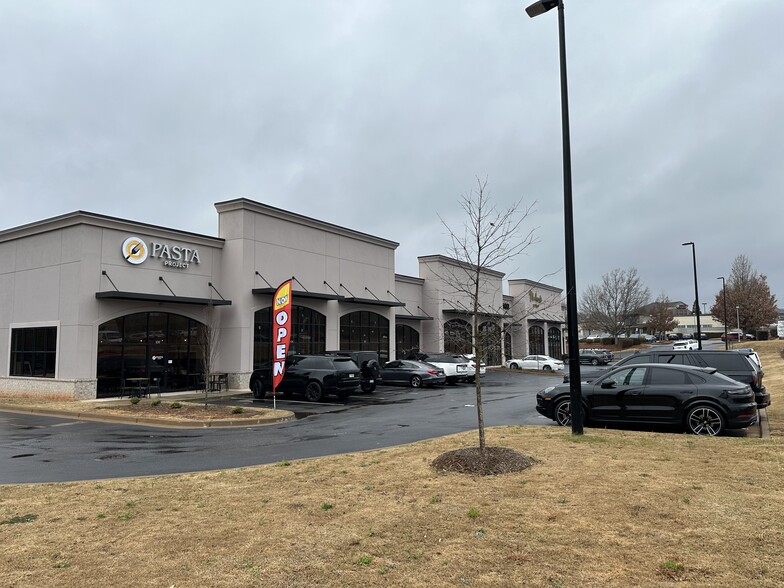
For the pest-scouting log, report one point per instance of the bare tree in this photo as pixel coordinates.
(489, 238)
(613, 305)
(208, 338)
(749, 291)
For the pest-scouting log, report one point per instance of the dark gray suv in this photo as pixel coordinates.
(736, 364)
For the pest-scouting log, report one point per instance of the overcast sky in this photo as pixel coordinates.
(377, 115)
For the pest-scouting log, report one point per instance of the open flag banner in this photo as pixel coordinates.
(281, 331)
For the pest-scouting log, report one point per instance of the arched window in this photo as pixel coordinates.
(535, 340)
(491, 343)
(406, 339)
(554, 342)
(308, 333)
(457, 336)
(365, 331)
(161, 346)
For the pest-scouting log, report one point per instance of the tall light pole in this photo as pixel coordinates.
(737, 316)
(724, 295)
(575, 390)
(696, 294)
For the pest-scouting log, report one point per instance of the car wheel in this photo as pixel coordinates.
(594, 361)
(563, 413)
(314, 392)
(416, 381)
(704, 420)
(368, 387)
(514, 366)
(258, 389)
(547, 368)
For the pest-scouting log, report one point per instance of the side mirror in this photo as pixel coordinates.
(608, 384)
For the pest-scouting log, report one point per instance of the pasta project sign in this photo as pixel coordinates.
(281, 331)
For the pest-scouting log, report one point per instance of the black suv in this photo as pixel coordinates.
(315, 375)
(736, 364)
(369, 367)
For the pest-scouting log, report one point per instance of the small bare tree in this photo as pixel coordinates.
(489, 238)
(208, 339)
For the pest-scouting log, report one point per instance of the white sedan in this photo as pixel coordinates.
(536, 362)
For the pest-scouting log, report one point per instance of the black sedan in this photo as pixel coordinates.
(412, 373)
(701, 399)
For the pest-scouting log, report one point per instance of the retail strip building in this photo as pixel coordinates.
(89, 303)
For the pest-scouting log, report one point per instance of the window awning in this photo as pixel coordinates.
(413, 317)
(300, 294)
(465, 311)
(117, 295)
(374, 302)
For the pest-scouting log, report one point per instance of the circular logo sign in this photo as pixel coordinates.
(134, 250)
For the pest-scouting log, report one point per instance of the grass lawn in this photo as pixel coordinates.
(611, 508)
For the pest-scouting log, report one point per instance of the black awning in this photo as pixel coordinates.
(301, 294)
(468, 312)
(413, 317)
(117, 295)
(374, 302)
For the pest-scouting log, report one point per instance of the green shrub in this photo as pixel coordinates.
(237, 410)
(156, 402)
(135, 400)
(175, 405)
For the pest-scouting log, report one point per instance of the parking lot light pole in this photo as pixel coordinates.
(737, 316)
(575, 390)
(724, 295)
(696, 294)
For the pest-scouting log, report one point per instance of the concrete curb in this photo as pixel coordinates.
(150, 421)
(764, 425)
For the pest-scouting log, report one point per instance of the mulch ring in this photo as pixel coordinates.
(490, 462)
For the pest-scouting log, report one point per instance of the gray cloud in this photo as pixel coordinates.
(378, 115)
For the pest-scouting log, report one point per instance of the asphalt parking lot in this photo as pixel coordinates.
(47, 449)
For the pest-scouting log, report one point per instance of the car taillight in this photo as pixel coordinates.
(432, 372)
(754, 381)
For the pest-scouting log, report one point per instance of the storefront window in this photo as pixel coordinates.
(491, 343)
(365, 331)
(308, 333)
(554, 342)
(159, 346)
(536, 340)
(33, 352)
(457, 336)
(406, 340)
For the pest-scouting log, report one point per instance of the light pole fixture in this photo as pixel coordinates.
(737, 316)
(724, 295)
(575, 389)
(696, 294)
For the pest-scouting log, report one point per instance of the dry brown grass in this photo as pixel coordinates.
(613, 508)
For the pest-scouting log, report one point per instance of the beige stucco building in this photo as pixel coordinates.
(89, 302)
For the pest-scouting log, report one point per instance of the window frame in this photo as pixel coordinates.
(35, 353)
